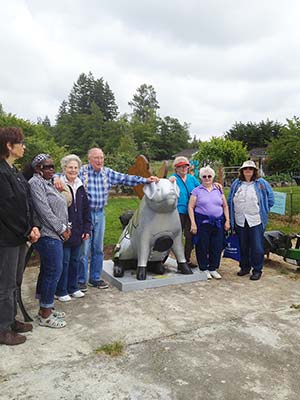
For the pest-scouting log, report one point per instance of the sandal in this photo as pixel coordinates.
(58, 314)
(51, 322)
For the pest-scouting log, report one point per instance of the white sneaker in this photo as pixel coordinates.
(77, 294)
(215, 274)
(64, 298)
(207, 273)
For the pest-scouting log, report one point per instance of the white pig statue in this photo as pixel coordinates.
(153, 231)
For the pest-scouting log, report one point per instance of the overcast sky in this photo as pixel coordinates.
(211, 62)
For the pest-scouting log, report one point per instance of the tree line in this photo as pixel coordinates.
(89, 117)
(281, 143)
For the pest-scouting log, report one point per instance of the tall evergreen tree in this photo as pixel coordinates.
(81, 96)
(144, 102)
(110, 110)
(62, 111)
(98, 94)
(46, 122)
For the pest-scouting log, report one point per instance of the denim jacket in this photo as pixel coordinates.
(265, 198)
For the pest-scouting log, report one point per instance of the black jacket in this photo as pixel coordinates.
(79, 216)
(17, 217)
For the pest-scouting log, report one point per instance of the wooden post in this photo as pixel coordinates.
(220, 174)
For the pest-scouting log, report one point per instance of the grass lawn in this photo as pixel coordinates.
(117, 205)
(292, 198)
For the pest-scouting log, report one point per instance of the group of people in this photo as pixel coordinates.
(63, 217)
(205, 215)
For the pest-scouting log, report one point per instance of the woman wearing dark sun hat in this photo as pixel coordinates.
(51, 207)
(18, 224)
(250, 199)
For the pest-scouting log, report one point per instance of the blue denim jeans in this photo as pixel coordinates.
(252, 247)
(51, 256)
(209, 247)
(68, 282)
(93, 246)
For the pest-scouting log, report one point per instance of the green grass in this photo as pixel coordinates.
(113, 349)
(116, 206)
(283, 223)
(292, 198)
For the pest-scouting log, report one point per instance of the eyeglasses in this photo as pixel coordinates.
(250, 168)
(206, 176)
(49, 166)
(21, 143)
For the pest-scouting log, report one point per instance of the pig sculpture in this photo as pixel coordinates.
(151, 233)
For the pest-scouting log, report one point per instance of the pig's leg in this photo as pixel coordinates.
(177, 249)
(143, 256)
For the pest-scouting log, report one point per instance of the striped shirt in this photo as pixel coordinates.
(98, 183)
(50, 206)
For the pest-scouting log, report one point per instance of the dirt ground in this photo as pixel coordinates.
(232, 339)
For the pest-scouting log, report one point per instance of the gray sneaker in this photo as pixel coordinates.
(102, 284)
(82, 287)
(98, 284)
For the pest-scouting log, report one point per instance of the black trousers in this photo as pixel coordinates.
(186, 229)
(11, 273)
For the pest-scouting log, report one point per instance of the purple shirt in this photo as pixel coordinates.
(208, 203)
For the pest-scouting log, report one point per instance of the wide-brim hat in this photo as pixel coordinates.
(249, 164)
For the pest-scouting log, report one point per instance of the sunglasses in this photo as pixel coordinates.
(251, 168)
(49, 166)
(206, 176)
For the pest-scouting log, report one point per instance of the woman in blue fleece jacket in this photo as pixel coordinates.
(250, 200)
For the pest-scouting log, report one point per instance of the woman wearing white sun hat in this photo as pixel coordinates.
(250, 200)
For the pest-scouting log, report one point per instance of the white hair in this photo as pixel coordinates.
(207, 171)
(70, 157)
(94, 149)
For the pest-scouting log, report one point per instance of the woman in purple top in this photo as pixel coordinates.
(208, 211)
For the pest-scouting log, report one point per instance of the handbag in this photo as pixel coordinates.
(232, 247)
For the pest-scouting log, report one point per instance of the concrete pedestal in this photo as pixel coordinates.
(129, 282)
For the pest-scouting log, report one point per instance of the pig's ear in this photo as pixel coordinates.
(149, 190)
(176, 188)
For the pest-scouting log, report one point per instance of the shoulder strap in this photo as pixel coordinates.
(186, 188)
(85, 176)
(105, 184)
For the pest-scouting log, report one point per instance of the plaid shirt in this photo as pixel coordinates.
(97, 184)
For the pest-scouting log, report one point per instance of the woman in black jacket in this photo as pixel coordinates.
(80, 218)
(17, 226)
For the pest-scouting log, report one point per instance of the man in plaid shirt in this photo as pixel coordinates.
(97, 181)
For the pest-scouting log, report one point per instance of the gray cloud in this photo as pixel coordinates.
(211, 63)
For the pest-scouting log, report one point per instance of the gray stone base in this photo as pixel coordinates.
(129, 282)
